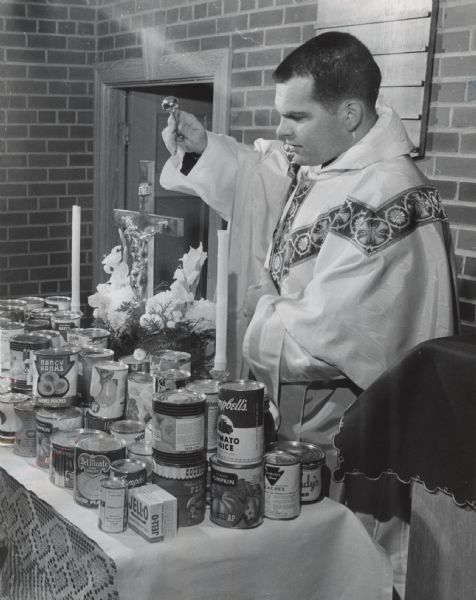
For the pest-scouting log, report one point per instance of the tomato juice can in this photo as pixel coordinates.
(55, 376)
(178, 422)
(64, 320)
(8, 329)
(108, 389)
(132, 471)
(88, 336)
(62, 444)
(25, 436)
(113, 497)
(312, 459)
(186, 479)
(282, 485)
(240, 429)
(236, 494)
(22, 347)
(93, 456)
(8, 420)
(208, 387)
(49, 420)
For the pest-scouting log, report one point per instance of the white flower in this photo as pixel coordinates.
(180, 293)
(203, 312)
(112, 260)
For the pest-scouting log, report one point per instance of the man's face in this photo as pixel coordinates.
(314, 134)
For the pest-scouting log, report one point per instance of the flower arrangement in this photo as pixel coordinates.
(171, 319)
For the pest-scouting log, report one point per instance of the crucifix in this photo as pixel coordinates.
(138, 229)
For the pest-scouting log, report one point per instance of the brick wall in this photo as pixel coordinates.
(260, 32)
(46, 116)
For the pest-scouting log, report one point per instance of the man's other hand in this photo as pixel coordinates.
(184, 131)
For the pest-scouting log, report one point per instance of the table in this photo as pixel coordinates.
(324, 554)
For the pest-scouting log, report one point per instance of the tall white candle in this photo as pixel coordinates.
(75, 257)
(221, 300)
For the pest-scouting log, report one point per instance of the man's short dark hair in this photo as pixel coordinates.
(341, 66)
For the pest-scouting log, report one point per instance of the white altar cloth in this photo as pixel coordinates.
(324, 554)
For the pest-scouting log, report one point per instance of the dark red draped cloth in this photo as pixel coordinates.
(418, 420)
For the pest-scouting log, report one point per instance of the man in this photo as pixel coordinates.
(356, 269)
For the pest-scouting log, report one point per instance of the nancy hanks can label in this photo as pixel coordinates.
(240, 422)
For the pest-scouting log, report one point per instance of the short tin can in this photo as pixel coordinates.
(88, 356)
(187, 481)
(140, 388)
(312, 459)
(282, 485)
(93, 422)
(55, 376)
(8, 421)
(57, 340)
(32, 302)
(65, 320)
(36, 324)
(25, 438)
(49, 420)
(133, 471)
(236, 494)
(61, 303)
(170, 369)
(142, 451)
(93, 456)
(179, 422)
(88, 336)
(22, 347)
(8, 329)
(209, 387)
(45, 312)
(240, 429)
(16, 309)
(128, 430)
(62, 444)
(113, 498)
(135, 364)
(108, 389)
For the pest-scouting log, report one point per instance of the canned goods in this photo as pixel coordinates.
(57, 340)
(13, 309)
(43, 313)
(132, 471)
(282, 485)
(62, 445)
(49, 420)
(236, 494)
(25, 437)
(91, 336)
(240, 431)
(61, 303)
(140, 387)
(55, 376)
(93, 456)
(32, 302)
(22, 347)
(170, 369)
(113, 497)
(8, 424)
(142, 451)
(128, 430)
(312, 459)
(187, 481)
(88, 356)
(136, 364)
(65, 320)
(178, 422)
(208, 387)
(36, 324)
(8, 329)
(108, 389)
(93, 422)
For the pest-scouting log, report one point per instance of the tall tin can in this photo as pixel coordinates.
(8, 421)
(240, 430)
(8, 329)
(58, 302)
(170, 369)
(55, 376)
(22, 347)
(140, 389)
(108, 389)
(88, 336)
(236, 494)
(113, 498)
(88, 357)
(32, 302)
(208, 387)
(49, 420)
(65, 320)
(93, 456)
(45, 312)
(13, 309)
(25, 438)
(57, 339)
(62, 444)
(282, 485)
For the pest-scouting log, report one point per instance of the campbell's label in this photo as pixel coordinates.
(240, 432)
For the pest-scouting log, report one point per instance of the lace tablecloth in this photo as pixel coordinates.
(57, 552)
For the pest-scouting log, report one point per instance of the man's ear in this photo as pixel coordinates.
(352, 114)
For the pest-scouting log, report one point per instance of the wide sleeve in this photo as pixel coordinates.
(359, 313)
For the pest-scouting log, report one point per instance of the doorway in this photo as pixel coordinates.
(145, 121)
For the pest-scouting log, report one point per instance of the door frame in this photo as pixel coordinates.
(112, 79)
